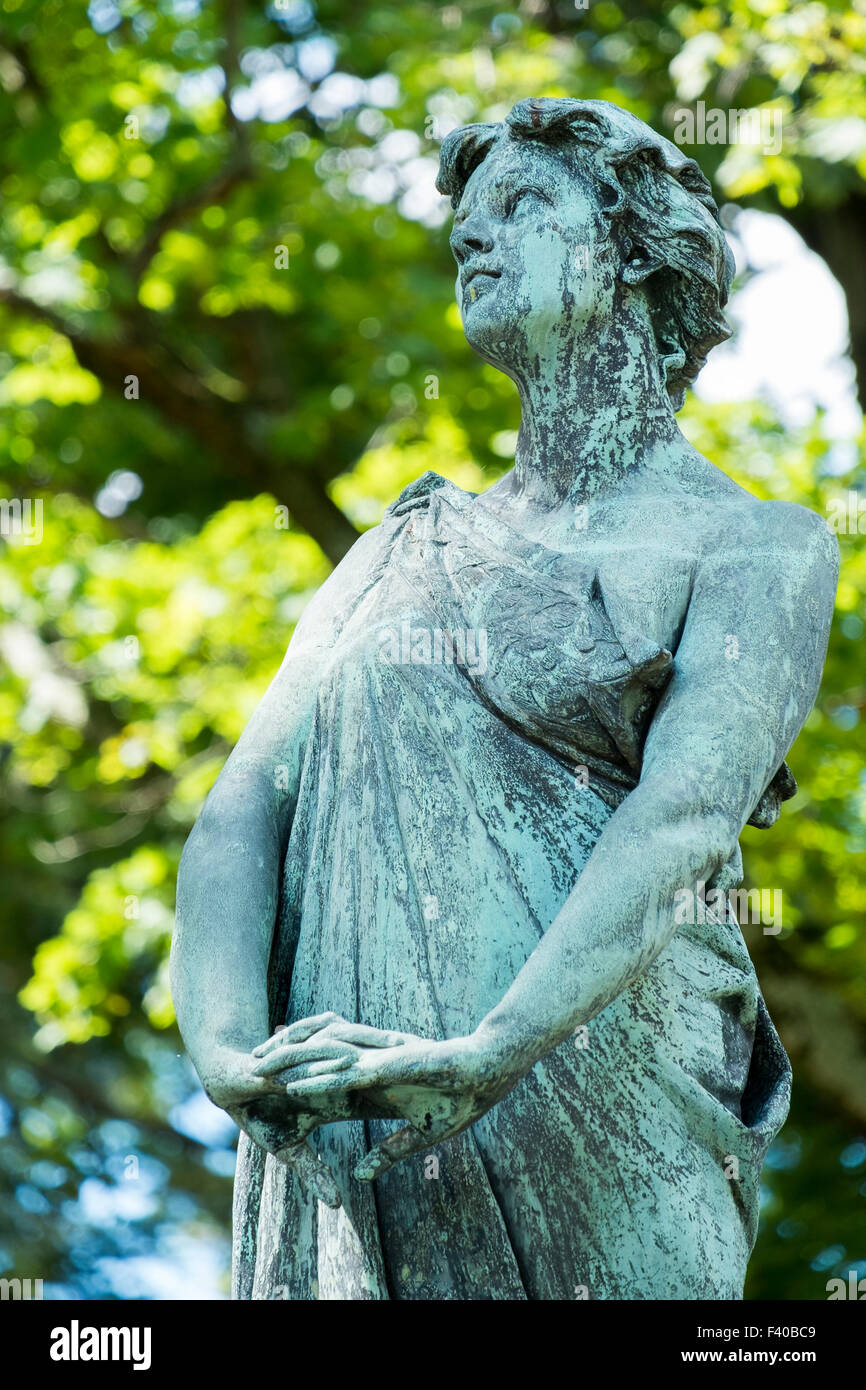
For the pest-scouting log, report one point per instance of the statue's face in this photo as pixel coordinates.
(526, 240)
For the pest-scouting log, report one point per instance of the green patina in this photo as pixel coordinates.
(429, 910)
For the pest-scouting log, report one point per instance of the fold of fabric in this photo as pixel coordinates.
(443, 818)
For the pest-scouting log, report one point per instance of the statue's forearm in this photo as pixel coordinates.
(228, 883)
(226, 908)
(617, 919)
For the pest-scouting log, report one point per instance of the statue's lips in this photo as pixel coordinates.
(476, 279)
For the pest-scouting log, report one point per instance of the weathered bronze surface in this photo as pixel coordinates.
(512, 733)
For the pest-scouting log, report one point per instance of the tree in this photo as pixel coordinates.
(227, 339)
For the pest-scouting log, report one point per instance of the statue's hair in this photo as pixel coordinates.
(657, 202)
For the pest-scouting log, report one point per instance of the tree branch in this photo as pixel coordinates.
(184, 400)
(837, 236)
(215, 191)
(230, 64)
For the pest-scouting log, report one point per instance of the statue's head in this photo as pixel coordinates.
(573, 213)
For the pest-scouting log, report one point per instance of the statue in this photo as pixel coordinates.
(429, 913)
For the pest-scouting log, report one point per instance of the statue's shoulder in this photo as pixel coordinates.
(365, 557)
(416, 494)
(801, 534)
(333, 602)
(731, 527)
(798, 541)
(749, 533)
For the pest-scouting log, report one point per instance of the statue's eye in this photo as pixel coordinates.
(518, 195)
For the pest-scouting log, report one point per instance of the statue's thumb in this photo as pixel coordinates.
(314, 1176)
(385, 1154)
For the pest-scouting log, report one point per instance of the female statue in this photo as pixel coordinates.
(433, 895)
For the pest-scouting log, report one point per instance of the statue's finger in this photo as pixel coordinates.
(315, 1177)
(367, 1069)
(298, 1053)
(364, 1036)
(350, 1079)
(391, 1150)
(270, 1042)
(295, 1032)
(326, 1066)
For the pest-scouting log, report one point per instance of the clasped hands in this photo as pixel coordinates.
(324, 1069)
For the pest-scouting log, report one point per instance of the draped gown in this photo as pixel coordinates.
(445, 811)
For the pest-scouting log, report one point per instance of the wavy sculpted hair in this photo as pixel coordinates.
(659, 209)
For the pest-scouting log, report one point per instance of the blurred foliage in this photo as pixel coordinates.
(227, 339)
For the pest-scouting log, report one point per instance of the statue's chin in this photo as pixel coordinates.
(492, 335)
(508, 331)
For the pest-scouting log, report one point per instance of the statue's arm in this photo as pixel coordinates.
(228, 883)
(729, 716)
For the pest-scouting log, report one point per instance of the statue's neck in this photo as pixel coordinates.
(589, 423)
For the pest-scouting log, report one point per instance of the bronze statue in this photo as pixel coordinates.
(432, 895)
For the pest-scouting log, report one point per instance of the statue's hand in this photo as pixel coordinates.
(283, 1132)
(260, 1107)
(440, 1087)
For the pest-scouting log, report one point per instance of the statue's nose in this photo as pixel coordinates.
(470, 236)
